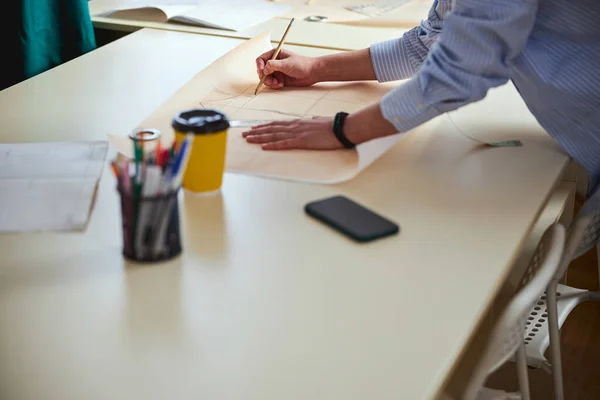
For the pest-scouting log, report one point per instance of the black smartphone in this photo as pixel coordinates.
(352, 219)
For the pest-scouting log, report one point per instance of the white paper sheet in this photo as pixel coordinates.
(133, 4)
(235, 15)
(48, 186)
(160, 14)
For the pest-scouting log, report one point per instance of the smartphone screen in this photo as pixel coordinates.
(352, 219)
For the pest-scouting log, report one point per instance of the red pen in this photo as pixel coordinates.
(158, 152)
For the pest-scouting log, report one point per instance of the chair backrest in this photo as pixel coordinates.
(582, 235)
(590, 213)
(589, 235)
(508, 332)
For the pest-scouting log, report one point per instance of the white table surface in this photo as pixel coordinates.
(264, 303)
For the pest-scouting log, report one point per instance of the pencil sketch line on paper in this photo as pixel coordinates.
(275, 112)
(233, 101)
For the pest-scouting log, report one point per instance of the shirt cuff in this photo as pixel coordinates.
(391, 60)
(405, 108)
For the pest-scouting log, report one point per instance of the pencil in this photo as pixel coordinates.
(277, 50)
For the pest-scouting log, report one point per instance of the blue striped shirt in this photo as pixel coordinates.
(549, 49)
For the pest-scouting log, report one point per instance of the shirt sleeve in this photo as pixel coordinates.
(400, 58)
(479, 43)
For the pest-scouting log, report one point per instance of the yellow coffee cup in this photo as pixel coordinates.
(206, 165)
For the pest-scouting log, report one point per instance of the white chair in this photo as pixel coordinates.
(506, 339)
(553, 307)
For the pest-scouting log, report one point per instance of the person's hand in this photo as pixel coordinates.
(289, 69)
(315, 133)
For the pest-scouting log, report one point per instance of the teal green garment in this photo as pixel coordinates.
(44, 34)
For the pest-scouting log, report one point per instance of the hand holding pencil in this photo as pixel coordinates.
(278, 68)
(275, 54)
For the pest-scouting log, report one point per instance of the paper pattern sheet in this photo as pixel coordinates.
(48, 186)
(334, 10)
(228, 85)
(406, 15)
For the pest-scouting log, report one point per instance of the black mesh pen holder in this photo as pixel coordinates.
(151, 230)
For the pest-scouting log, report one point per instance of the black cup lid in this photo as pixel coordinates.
(200, 120)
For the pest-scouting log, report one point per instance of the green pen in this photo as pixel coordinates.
(138, 152)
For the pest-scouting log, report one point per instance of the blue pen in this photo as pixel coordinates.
(181, 154)
(177, 164)
(184, 156)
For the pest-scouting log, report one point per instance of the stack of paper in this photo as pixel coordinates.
(48, 186)
(234, 15)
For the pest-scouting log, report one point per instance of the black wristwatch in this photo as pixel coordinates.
(338, 130)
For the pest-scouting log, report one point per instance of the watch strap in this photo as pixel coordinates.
(338, 130)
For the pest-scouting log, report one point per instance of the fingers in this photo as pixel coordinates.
(271, 81)
(288, 134)
(270, 137)
(287, 144)
(284, 122)
(277, 135)
(274, 82)
(278, 80)
(268, 54)
(283, 54)
(272, 66)
(275, 126)
(265, 130)
(260, 66)
(264, 58)
(277, 140)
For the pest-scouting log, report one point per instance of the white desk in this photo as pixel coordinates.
(313, 34)
(265, 303)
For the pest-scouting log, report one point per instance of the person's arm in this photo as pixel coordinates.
(481, 39)
(389, 60)
(345, 66)
(401, 58)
